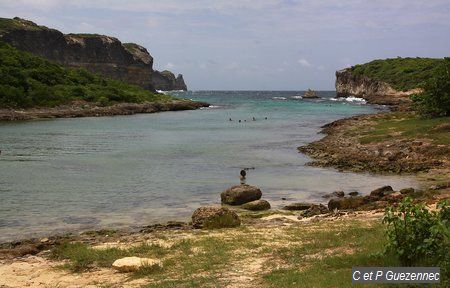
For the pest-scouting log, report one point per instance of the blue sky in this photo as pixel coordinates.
(255, 44)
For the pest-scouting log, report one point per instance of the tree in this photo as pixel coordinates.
(435, 100)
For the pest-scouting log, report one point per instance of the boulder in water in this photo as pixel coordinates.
(241, 194)
(257, 205)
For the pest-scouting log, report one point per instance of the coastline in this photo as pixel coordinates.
(272, 230)
(84, 109)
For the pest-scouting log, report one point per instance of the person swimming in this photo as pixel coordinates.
(242, 177)
(254, 119)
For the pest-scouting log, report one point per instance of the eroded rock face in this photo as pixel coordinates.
(257, 205)
(376, 92)
(211, 217)
(129, 264)
(101, 54)
(241, 194)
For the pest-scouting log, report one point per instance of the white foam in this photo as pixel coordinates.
(351, 99)
(297, 97)
(279, 98)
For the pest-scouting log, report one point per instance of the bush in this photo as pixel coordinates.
(435, 100)
(418, 236)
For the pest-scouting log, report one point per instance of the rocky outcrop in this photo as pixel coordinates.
(257, 205)
(166, 81)
(211, 217)
(85, 109)
(298, 206)
(375, 92)
(241, 194)
(101, 54)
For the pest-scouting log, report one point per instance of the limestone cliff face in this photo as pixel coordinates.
(106, 55)
(375, 92)
(166, 80)
(348, 84)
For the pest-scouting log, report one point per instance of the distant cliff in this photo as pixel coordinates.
(389, 81)
(106, 55)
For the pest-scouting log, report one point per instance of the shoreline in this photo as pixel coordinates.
(85, 109)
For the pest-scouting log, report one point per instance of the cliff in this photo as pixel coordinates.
(374, 91)
(389, 81)
(101, 54)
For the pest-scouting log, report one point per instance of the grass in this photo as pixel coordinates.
(321, 254)
(400, 73)
(82, 257)
(331, 267)
(408, 126)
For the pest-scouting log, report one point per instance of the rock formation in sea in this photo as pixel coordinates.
(374, 91)
(106, 55)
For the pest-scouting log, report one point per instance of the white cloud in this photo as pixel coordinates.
(170, 66)
(304, 62)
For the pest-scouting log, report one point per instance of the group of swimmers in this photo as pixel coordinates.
(253, 119)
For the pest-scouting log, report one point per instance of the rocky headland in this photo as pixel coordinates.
(101, 54)
(374, 91)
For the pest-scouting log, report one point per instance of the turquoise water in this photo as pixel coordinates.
(88, 173)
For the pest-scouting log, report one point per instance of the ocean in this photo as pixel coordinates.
(66, 175)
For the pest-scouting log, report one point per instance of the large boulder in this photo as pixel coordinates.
(346, 203)
(129, 264)
(257, 205)
(241, 194)
(298, 206)
(211, 217)
(382, 191)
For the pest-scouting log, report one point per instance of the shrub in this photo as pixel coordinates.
(418, 236)
(435, 100)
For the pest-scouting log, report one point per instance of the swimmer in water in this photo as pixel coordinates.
(242, 177)
(254, 119)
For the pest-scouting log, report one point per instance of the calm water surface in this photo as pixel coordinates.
(88, 173)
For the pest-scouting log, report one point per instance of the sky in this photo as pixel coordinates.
(255, 44)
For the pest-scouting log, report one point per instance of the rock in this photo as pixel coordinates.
(353, 193)
(241, 194)
(315, 210)
(407, 191)
(257, 205)
(298, 206)
(346, 203)
(337, 194)
(129, 264)
(382, 191)
(211, 217)
(394, 197)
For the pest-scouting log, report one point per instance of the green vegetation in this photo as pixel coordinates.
(325, 258)
(321, 254)
(7, 24)
(82, 257)
(406, 126)
(29, 81)
(419, 237)
(435, 100)
(400, 73)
